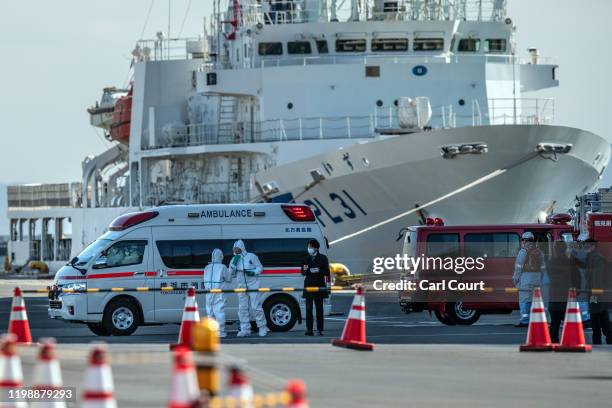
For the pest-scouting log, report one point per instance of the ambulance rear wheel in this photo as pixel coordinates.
(121, 317)
(461, 315)
(98, 329)
(281, 313)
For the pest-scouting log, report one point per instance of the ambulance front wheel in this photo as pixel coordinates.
(281, 313)
(121, 317)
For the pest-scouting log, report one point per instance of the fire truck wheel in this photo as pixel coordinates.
(121, 317)
(98, 329)
(444, 318)
(461, 315)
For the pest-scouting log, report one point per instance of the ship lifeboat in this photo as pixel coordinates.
(122, 113)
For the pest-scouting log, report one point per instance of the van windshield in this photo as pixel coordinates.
(92, 250)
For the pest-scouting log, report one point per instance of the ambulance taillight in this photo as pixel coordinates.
(128, 220)
(298, 212)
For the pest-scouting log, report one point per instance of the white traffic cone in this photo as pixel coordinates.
(47, 374)
(184, 392)
(98, 387)
(240, 388)
(11, 376)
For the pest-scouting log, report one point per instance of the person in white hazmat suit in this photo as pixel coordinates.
(216, 274)
(246, 268)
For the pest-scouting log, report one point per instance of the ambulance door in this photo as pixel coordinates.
(180, 255)
(126, 263)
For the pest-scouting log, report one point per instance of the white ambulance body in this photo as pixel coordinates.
(170, 246)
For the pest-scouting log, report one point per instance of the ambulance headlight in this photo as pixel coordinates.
(75, 287)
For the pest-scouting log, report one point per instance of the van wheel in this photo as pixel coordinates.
(281, 314)
(461, 315)
(98, 329)
(444, 318)
(121, 317)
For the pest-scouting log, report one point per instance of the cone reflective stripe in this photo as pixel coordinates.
(538, 336)
(191, 316)
(297, 394)
(18, 323)
(47, 374)
(11, 375)
(354, 333)
(184, 392)
(572, 338)
(98, 388)
(240, 388)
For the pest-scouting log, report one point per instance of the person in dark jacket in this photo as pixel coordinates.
(316, 274)
(596, 272)
(564, 274)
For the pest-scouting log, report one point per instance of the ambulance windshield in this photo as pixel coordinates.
(92, 250)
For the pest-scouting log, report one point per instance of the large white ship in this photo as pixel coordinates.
(376, 113)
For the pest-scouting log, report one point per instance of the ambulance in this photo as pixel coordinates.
(169, 246)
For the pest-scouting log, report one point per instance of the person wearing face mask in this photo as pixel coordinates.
(316, 274)
(529, 273)
(246, 268)
(215, 276)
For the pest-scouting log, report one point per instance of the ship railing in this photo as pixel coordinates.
(470, 10)
(209, 193)
(44, 195)
(367, 59)
(276, 130)
(163, 49)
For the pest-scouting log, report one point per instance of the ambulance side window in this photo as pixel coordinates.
(274, 251)
(443, 245)
(187, 254)
(123, 253)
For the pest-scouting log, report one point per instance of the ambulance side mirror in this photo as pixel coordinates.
(100, 263)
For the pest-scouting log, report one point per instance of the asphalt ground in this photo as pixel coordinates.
(416, 361)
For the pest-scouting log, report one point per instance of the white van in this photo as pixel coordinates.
(170, 246)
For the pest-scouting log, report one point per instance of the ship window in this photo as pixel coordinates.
(389, 44)
(495, 45)
(469, 45)
(299, 47)
(322, 46)
(270, 48)
(428, 44)
(351, 45)
(372, 71)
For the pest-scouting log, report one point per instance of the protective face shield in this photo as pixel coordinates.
(311, 251)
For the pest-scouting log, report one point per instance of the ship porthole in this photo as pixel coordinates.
(379, 103)
(461, 102)
(290, 105)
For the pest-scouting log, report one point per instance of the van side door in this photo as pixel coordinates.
(180, 256)
(124, 264)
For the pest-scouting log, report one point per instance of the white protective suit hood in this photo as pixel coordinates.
(217, 256)
(240, 244)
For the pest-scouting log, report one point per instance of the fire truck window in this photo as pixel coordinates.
(442, 245)
(492, 245)
(273, 252)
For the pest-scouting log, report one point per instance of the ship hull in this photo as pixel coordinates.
(370, 190)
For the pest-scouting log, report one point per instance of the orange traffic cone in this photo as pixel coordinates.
(297, 394)
(538, 337)
(11, 376)
(184, 392)
(572, 338)
(240, 388)
(190, 317)
(18, 324)
(354, 333)
(98, 381)
(47, 374)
